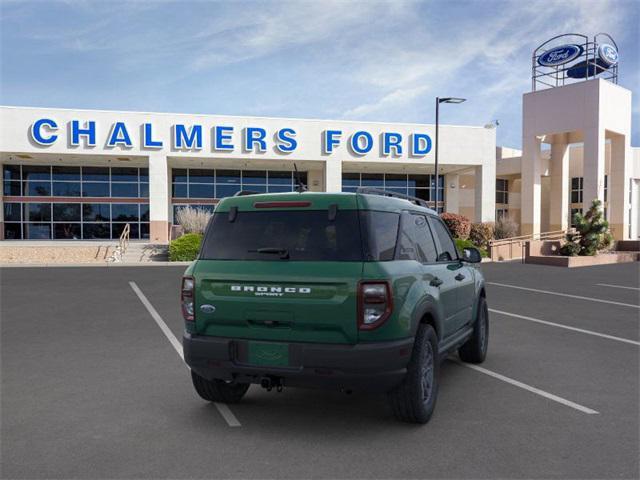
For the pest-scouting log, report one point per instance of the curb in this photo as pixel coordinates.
(94, 265)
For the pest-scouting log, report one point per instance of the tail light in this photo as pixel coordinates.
(187, 295)
(375, 304)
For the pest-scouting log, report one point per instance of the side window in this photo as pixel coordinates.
(416, 242)
(379, 234)
(446, 248)
(425, 244)
(407, 249)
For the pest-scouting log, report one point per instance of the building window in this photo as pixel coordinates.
(420, 186)
(63, 181)
(502, 213)
(502, 190)
(606, 187)
(576, 190)
(64, 213)
(573, 212)
(198, 185)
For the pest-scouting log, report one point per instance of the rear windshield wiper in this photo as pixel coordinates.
(283, 252)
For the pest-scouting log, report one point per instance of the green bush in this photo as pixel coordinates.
(481, 233)
(462, 244)
(185, 248)
(458, 225)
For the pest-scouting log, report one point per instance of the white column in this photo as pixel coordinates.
(485, 192)
(559, 205)
(593, 167)
(159, 198)
(452, 192)
(332, 175)
(531, 188)
(618, 188)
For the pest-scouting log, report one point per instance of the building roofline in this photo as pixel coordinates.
(18, 107)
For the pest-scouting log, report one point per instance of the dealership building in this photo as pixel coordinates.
(85, 174)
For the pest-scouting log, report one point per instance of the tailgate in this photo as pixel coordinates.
(278, 300)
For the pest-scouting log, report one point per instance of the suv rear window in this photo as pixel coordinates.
(306, 235)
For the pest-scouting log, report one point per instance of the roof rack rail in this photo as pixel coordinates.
(387, 193)
(242, 193)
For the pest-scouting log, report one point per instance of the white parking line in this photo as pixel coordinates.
(617, 286)
(566, 327)
(224, 410)
(590, 299)
(529, 388)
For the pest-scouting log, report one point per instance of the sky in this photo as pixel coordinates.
(344, 60)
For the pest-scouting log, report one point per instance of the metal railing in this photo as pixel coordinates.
(123, 244)
(521, 241)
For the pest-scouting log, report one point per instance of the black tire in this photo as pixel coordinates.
(218, 390)
(415, 398)
(474, 350)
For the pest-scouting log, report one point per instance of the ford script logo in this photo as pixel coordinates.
(608, 54)
(206, 308)
(560, 55)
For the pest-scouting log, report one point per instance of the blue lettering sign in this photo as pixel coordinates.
(186, 139)
(286, 141)
(391, 140)
(119, 136)
(330, 140)
(89, 132)
(357, 146)
(221, 137)
(36, 131)
(255, 136)
(421, 144)
(147, 138)
(608, 54)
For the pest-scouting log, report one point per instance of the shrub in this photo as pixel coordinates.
(481, 233)
(185, 248)
(458, 225)
(462, 244)
(505, 228)
(193, 220)
(591, 235)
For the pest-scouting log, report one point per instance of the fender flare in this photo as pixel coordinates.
(430, 309)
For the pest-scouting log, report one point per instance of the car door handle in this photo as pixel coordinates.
(435, 282)
(459, 277)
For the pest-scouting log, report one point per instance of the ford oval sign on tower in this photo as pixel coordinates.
(608, 54)
(560, 55)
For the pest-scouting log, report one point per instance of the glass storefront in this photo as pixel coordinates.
(420, 186)
(63, 213)
(197, 184)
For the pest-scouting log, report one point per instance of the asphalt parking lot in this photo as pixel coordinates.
(92, 387)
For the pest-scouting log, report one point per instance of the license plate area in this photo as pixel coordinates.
(268, 354)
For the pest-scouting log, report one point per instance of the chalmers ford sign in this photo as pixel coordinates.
(222, 138)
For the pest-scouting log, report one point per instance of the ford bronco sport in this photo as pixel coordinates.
(353, 291)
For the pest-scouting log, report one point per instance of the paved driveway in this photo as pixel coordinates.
(92, 387)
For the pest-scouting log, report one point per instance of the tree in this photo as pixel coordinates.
(591, 235)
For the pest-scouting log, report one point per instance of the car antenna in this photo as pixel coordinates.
(301, 187)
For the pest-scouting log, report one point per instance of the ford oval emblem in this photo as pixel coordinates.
(560, 55)
(206, 308)
(608, 54)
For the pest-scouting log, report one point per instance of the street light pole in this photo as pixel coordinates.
(437, 143)
(438, 102)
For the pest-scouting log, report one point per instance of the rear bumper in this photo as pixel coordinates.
(363, 367)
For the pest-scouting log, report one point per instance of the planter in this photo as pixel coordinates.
(601, 259)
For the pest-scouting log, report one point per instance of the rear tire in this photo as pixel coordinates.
(414, 400)
(218, 390)
(474, 350)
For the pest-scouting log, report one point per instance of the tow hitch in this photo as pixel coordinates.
(271, 382)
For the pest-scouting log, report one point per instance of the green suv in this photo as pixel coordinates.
(351, 291)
